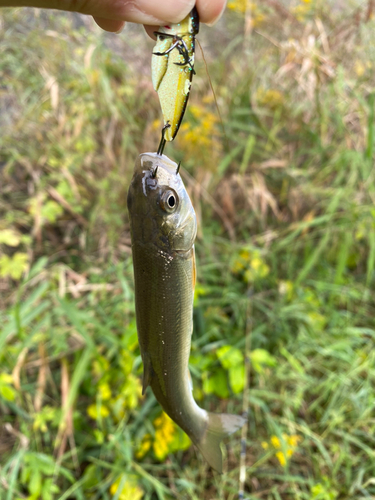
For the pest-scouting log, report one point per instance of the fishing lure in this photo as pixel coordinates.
(172, 71)
(163, 229)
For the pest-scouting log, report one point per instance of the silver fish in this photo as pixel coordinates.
(163, 229)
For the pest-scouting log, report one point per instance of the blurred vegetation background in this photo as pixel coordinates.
(286, 246)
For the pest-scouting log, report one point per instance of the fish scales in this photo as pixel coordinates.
(163, 229)
(168, 354)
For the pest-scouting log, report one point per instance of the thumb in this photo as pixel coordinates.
(139, 11)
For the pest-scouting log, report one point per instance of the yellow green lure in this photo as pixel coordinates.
(172, 71)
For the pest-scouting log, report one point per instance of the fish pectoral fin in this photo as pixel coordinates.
(147, 373)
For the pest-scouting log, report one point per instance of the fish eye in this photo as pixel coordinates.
(169, 201)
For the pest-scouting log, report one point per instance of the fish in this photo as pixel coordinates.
(172, 69)
(163, 228)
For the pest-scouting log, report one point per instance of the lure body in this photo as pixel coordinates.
(173, 68)
(163, 229)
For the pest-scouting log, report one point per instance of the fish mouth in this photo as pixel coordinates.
(188, 222)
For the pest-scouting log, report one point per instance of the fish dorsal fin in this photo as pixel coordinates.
(147, 372)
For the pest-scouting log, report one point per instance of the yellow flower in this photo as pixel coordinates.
(359, 68)
(284, 448)
(252, 263)
(129, 489)
(104, 391)
(271, 98)
(243, 6)
(260, 267)
(160, 446)
(144, 446)
(301, 11)
(294, 440)
(238, 6)
(201, 134)
(132, 391)
(281, 458)
(196, 111)
(100, 366)
(275, 442)
(157, 124)
(92, 411)
(164, 433)
(126, 361)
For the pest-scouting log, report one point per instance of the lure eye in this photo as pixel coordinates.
(169, 201)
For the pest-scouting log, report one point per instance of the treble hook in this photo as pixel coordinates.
(162, 140)
(153, 175)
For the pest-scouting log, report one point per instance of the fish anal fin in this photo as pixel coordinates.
(220, 425)
(147, 373)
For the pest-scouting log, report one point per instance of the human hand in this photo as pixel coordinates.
(111, 15)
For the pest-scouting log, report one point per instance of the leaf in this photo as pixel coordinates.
(260, 358)
(7, 392)
(35, 484)
(51, 211)
(37, 267)
(46, 464)
(48, 489)
(12, 479)
(6, 378)
(13, 266)
(292, 360)
(10, 237)
(217, 384)
(237, 378)
(229, 356)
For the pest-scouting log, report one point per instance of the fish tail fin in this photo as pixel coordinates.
(220, 425)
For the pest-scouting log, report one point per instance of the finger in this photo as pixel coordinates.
(210, 11)
(109, 24)
(139, 11)
(150, 31)
(170, 11)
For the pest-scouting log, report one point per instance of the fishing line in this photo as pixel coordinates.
(245, 402)
(213, 93)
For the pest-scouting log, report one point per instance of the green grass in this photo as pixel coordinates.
(285, 205)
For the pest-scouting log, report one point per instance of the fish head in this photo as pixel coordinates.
(159, 206)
